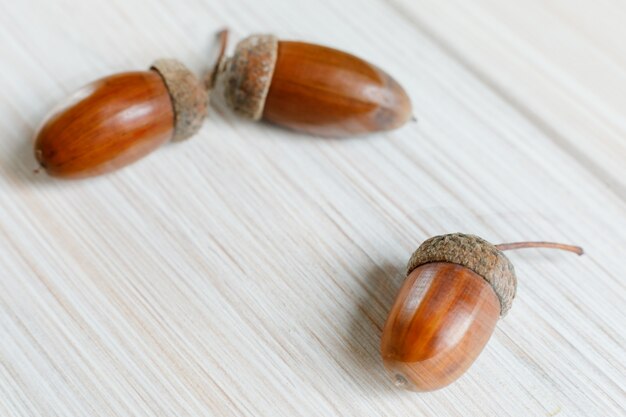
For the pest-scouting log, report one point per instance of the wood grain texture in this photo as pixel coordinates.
(326, 92)
(440, 321)
(574, 84)
(250, 270)
(106, 125)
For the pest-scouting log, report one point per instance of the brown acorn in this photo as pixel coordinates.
(310, 88)
(457, 287)
(116, 120)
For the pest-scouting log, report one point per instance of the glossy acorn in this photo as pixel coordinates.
(310, 88)
(116, 120)
(457, 287)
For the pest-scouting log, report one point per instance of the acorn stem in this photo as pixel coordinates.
(222, 36)
(551, 245)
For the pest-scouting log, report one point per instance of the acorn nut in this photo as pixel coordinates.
(309, 88)
(457, 287)
(116, 120)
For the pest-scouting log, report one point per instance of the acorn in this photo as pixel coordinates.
(457, 287)
(309, 88)
(116, 120)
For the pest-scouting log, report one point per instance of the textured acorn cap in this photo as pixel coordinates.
(473, 253)
(189, 97)
(244, 80)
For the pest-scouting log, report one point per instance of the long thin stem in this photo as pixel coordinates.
(223, 43)
(551, 245)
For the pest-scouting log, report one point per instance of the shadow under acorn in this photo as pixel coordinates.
(362, 342)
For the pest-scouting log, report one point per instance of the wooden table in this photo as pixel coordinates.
(249, 270)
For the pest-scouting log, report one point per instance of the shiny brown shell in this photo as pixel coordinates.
(106, 125)
(441, 320)
(327, 92)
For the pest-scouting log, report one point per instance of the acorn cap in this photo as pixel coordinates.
(244, 80)
(473, 253)
(189, 97)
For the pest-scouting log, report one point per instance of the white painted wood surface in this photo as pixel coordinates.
(249, 271)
